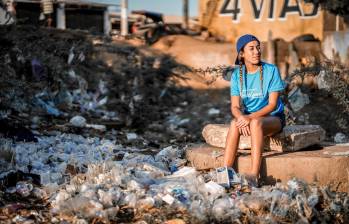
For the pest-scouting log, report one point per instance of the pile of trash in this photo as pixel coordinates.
(86, 179)
(52, 76)
(314, 92)
(148, 193)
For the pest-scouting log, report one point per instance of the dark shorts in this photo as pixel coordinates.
(282, 118)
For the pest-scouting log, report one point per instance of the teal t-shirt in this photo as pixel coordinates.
(252, 97)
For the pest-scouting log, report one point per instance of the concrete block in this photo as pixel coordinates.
(292, 138)
(327, 166)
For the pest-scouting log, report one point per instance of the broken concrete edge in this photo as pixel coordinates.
(292, 138)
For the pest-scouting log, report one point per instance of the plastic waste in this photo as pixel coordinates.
(298, 99)
(146, 203)
(295, 187)
(71, 55)
(106, 198)
(181, 195)
(98, 127)
(222, 209)
(226, 176)
(168, 199)
(130, 200)
(49, 107)
(38, 70)
(169, 154)
(78, 121)
(340, 138)
(185, 172)
(24, 189)
(131, 136)
(213, 190)
(213, 111)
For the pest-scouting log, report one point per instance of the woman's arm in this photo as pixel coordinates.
(273, 98)
(235, 106)
(242, 120)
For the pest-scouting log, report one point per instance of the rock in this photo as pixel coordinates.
(292, 138)
(78, 121)
(340, 138)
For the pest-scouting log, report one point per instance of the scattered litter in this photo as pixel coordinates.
(213, 111)
(340, 138)
(78, 121)
(131, 136)
(298, 99)
(98, 127)
(226, 176)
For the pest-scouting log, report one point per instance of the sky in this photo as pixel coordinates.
(167, 7)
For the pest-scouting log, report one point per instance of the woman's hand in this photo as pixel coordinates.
(243, 121)
(245, 131)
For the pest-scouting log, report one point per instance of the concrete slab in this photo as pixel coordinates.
(292, 138)
(328, 166)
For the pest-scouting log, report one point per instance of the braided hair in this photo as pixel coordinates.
(241, 75)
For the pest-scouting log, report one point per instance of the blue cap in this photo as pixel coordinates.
(242, 41)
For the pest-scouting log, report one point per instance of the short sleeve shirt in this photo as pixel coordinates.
(253, 98)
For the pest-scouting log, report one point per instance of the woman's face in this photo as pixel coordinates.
(251, 53)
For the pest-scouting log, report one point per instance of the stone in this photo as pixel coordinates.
(292, 138)
(326, 166)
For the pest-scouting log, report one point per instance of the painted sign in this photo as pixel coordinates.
(233, 7)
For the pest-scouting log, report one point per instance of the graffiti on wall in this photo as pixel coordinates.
(233, 7)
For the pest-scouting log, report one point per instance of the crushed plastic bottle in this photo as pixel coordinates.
(24, 189)
(213, 190)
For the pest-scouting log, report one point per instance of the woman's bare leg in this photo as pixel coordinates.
(231, 144)
(259, 128)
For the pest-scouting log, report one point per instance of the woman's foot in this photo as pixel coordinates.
(252, 180)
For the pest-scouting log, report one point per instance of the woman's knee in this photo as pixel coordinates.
(256, 123)
(233, 125)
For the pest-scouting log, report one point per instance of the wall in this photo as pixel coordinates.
(336, 46)
(285, 19)
(77, 17)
